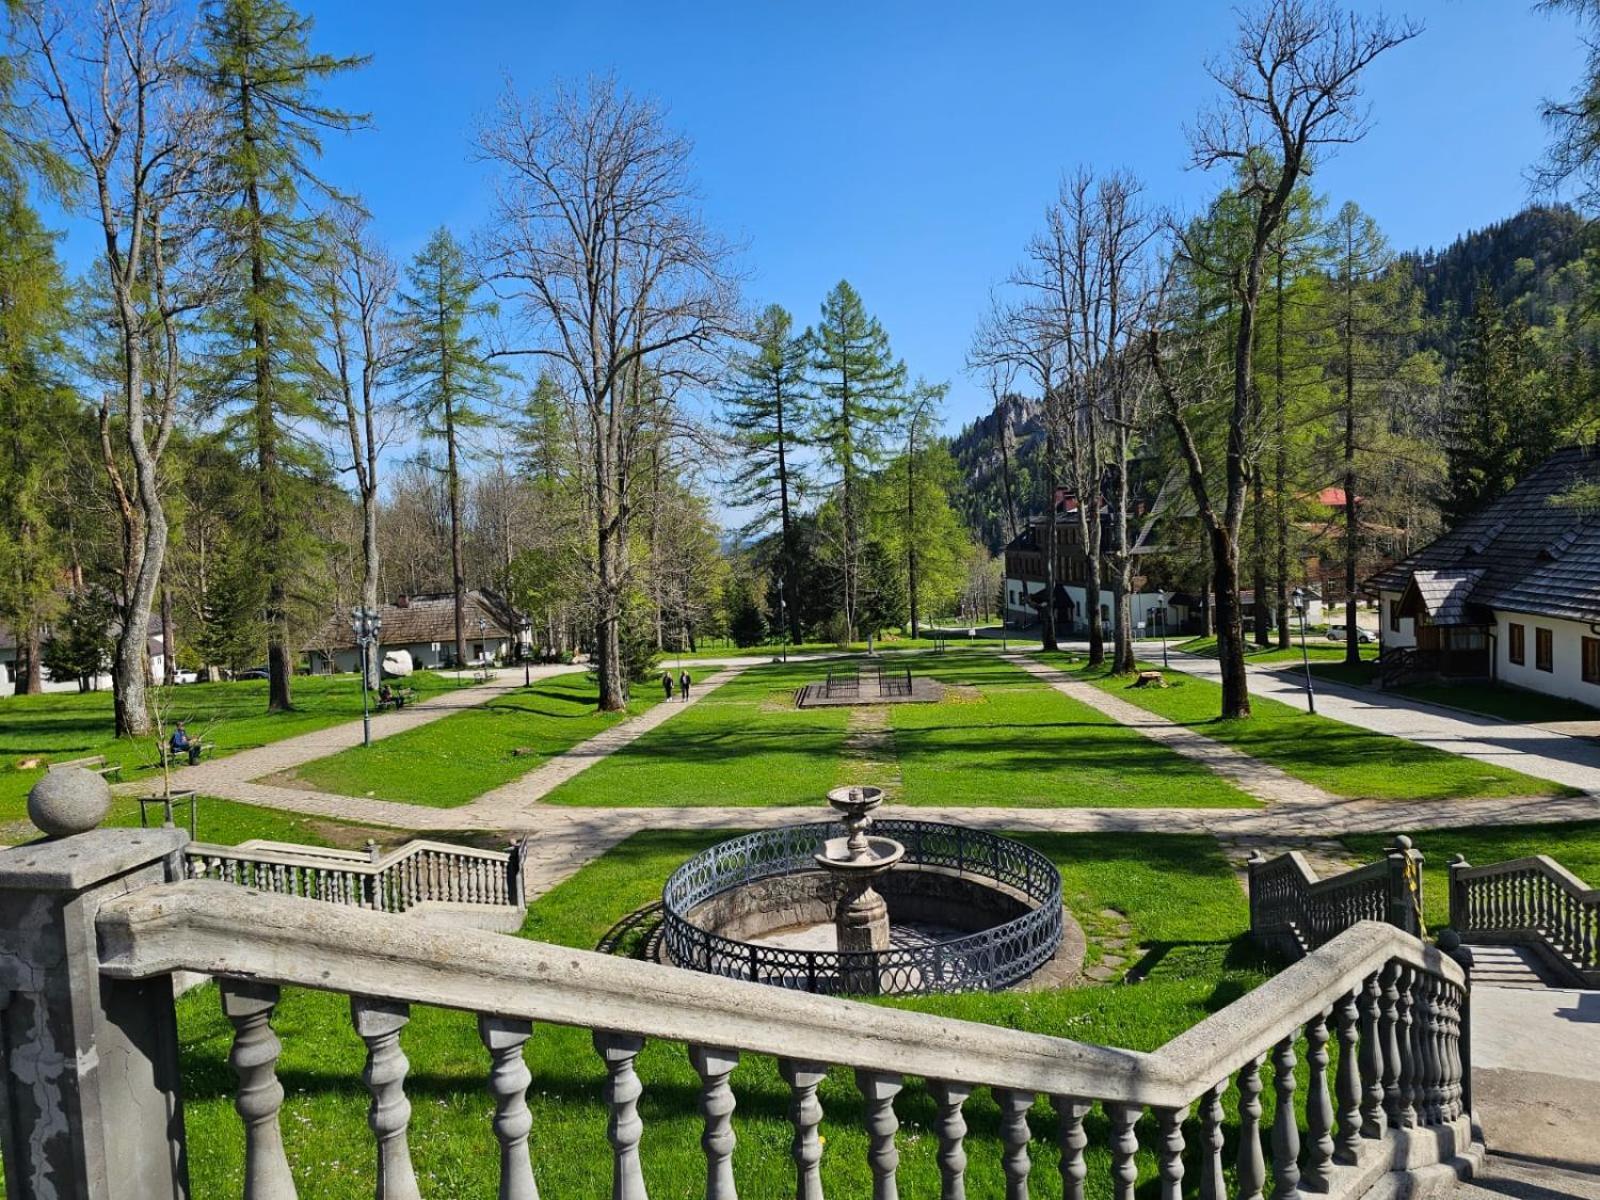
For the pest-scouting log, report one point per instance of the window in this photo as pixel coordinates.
(1517, 644)
(1544, 654)
(1591, 660)
(1394, 616)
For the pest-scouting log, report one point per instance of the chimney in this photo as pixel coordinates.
(403, 602)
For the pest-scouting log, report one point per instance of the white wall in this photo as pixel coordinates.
(1407, 635)
(1566, 679)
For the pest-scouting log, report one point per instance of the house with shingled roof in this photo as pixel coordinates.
(1510, 595)
(425, 626)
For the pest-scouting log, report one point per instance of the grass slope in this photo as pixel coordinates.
(233, 716)
(454, 760)
(1318, 649)
(1180, 896)
(1340, 758)
(1489, 700)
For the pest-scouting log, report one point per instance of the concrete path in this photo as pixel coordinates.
(211, 776)
(1530, 749)
(1250, 775)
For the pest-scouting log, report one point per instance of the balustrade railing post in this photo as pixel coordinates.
(248, 1005)
(1252, 867)
(1124, 1149)
(509, 1078)
(878, 1089)
(1252, 1173)
(1347, 1083)
(952, 1131)
(805, 1114)
(1014, 1136)
(623, 1128)
(1450, 944)
(1460, 899)
(1169, 1151)
(1070, 1112)
(717, 1103)
(88, 1064)
(1373, 1118)
(378, 1023)
(1405, 886)
(1319, 1109)
(1285, 1127)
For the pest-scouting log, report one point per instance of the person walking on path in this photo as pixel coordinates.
(683, 685)
(666, 683)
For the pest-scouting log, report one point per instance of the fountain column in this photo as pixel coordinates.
(860, 917)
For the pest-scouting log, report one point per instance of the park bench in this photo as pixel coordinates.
(399, 699)
(482, 675)
(94, 762)
(166, 754)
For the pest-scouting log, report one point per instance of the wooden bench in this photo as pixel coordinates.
(398, 699)
(483, 675)
(95, 762)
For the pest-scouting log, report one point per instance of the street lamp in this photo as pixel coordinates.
(1161, 596)
(1299, 599)
(525, 630)
(365, 623)
(783, 616)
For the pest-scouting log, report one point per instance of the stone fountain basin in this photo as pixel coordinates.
(882, 853)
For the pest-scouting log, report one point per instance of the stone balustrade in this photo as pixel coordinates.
(417, 873)
(1293, 912)
(1534, 902)
(91, 931)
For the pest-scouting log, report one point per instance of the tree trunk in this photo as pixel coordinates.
(1230, 626)
(29, 667)
(1352, 519)
(1123, 658)
(1048, 631)
(1281, 473)
(169, 639)
(458, 571)
(911, 530)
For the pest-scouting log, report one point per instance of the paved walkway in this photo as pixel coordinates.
(1531, 749)
(1250, 775)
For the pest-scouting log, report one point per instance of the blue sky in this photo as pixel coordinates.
(911, 147)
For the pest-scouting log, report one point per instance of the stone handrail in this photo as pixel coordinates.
(419, 872)
(1293, 911)
(1532, 901)
(1396, 1007)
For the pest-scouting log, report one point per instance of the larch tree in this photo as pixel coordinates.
(1291, 91)
(766, 406)
(257, 65)
(443, 367)
(860, 388)
(355, 286)
(921, 420)
(597, 240)
(120, 112)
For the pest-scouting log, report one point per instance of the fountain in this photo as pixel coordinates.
(860, 916)
(853, 906)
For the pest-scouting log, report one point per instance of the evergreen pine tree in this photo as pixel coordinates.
(861, 386)
(445, 370)
(765, 405)
(262, 75)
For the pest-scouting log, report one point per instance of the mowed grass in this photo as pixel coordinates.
(65, 725)
(1489, 700)
(1576, 846)
(1317, 648)
(743, 744)
(452, 761)
(1339, 758)
(1182, 899)
(1005, 739)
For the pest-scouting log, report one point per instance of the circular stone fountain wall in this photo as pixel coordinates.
(968, 911)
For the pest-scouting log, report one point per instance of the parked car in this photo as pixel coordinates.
(1336, 634)
(253, 673)
(181, 676)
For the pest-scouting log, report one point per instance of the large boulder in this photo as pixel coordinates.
(69, 800)
(396, 664)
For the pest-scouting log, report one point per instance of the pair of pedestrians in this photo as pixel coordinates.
(683, 685)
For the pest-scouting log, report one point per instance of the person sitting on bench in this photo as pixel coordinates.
(182, 745)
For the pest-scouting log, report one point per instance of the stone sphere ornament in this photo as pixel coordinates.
(68, 801)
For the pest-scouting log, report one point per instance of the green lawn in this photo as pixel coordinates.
(1576, 846)
(1340, 758)
(1490, 700)
(233, 716)
(1008, 739)
(744, 743)
(1186, 907)
(1318, 649)
(956, 639)
(454, 760)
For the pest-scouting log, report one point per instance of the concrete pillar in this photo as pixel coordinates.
(90, 1107)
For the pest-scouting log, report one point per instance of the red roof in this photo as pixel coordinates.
(1333, 497)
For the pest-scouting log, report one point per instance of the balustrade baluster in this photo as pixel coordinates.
(1389, 1029)
(1124, 1148)
(717, 1103)
(950, 1096)
(1070, 1113)
(878, 1089)
(1373, 1121)
(1285, 1129)
(1014, 1137)
(248, 1006)
(1169, 1151)
(1213, 1185)
(509, 1078)
(1436, 1083)
(1347, 1082)
(1319, 1108)
(1410, 1096)
(621, 1092)
(805, 1114)
(1252, 1165)
(379, 1022)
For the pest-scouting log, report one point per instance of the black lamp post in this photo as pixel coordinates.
(783, 616)
(365, 624)
(1299, 599)
(1162, 597)
(525, 629)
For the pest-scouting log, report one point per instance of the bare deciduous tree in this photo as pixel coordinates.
(123, 116)
(1291, 91)
(596, 238)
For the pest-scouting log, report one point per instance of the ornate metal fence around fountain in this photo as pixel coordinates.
(986, 960)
